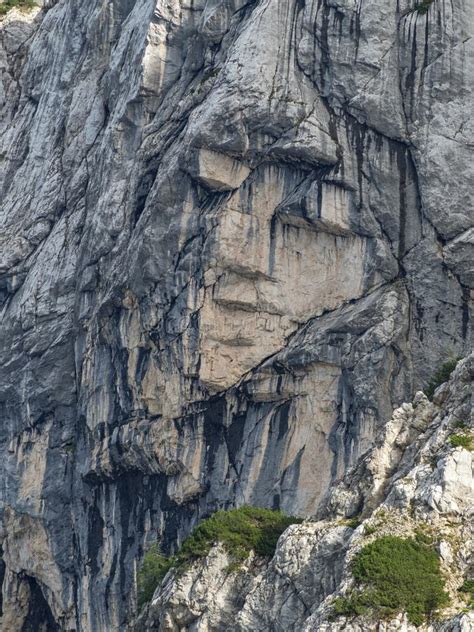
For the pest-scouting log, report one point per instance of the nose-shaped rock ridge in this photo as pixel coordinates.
(216, 171)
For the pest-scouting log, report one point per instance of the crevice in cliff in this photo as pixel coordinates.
(39, 617)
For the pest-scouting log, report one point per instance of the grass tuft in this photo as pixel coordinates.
(352, 523)
(462, 441)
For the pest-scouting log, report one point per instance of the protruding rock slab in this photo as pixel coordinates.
(218, 171)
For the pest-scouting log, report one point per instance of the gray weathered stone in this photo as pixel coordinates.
(180, 337)
(412, 480)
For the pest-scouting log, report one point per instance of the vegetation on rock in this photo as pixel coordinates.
(423, 7)
(395, 575)
(468, 589)
(369, 529)
(441, 376)
(462, 441)
(352, 523)
(152, 572)
(10, 4)
(239, 530)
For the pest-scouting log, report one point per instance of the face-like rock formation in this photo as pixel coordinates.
(235, 234)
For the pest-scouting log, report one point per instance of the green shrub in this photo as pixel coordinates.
(151, 574)
(9, 4)
(395, 575)
(461, 441)
(239, 530)
(468, 586)
(468, 589)
(369, 529)
(353, 605)
(423, 6)
(441, 376)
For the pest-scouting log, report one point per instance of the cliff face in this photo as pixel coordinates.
(413, 481)
(235, 235)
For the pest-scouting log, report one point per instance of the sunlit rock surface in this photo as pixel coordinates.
(234, 237)
(412, 480)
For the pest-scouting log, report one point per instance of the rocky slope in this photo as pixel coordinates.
(235, 235)
(413, 481)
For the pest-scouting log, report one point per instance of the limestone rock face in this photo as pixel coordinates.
(412, 479)
(235, 235)
(218, 171)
